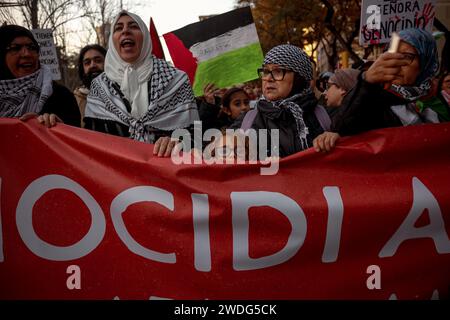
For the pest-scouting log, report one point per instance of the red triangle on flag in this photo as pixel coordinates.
(157, 49)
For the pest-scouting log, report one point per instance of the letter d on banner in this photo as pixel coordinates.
(241, 203)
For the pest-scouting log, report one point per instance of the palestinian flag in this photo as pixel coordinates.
(224, 50)
(157, 49)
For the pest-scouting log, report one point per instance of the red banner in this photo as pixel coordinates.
(90, 216)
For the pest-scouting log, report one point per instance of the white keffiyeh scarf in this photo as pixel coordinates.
(26, 94)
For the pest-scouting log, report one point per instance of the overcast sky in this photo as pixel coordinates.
(170, 15)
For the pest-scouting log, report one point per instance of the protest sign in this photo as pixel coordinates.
(47, 54)
(381, 18)
(223, 50)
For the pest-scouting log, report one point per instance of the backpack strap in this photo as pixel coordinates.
(248, 119)
(323, 117)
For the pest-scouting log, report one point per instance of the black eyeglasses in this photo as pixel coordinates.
(16, 48)
(409, 57)
(277, 74)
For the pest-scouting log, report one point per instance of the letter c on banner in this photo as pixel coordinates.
(134, 195)
(24, 220)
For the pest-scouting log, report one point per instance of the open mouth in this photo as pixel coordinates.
(127, 43)
(26, 65)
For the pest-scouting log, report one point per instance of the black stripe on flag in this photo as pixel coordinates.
(214, 26)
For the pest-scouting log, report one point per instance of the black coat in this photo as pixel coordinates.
(284, 121)
(366, 107)
(62, 102)
(211, 116)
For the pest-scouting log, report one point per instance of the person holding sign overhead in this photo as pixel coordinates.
(386, 93)
(26, 86)
(139, 96)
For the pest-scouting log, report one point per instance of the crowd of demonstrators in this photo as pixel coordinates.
(139, 96)
(128, 92)
(26, 87)
(91, 63)
(386, 95)
(288, 103)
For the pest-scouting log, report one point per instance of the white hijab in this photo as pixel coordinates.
(132, 77)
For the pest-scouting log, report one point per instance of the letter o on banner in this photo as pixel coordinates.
(24, 220)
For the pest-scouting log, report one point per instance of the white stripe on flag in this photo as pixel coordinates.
(232, 40)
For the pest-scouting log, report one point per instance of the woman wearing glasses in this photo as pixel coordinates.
(288, 103)
(26, 87)
(386, 94)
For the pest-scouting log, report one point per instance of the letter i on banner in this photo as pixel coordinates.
(1, 228)
(334, 225)
(202, 247)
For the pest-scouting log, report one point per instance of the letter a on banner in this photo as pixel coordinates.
(74, 280)
(423, 200)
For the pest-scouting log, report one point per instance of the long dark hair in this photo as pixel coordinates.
(226, 98)
(83, 51)
(8, 33)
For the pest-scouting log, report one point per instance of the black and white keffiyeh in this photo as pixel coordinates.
(171, 102)
(292, 58)
(295, 59)
(293, 104)
(158, 96)
(26, 94)
(132, 77)
(408, 113)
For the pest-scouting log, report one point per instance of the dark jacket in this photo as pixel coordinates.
(63, 103)
(116, 128)
(268, 118)
(211, 116)
(366, 107)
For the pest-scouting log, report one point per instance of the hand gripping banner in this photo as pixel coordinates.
(85, 215)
